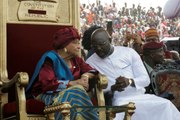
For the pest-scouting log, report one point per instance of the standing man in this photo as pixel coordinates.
(127, 78)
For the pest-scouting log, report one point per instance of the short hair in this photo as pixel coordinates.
(86, 40)
(100, 29)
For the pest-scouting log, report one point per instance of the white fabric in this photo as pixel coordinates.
(126, 62)
(172, 9)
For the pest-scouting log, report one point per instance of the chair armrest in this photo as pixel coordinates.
(64, 108)
(21, 78)
(102, 83)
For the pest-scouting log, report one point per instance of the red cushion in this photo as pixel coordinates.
(33, 107)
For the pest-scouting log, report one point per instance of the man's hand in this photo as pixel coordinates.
(121, 83)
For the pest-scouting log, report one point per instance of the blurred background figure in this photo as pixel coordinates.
(172, 9)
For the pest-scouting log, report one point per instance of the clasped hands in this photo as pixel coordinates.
(120, 84)
(84, 81)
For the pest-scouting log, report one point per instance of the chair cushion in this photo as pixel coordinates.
(33, 107)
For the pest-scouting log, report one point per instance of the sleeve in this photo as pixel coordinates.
(141, 77)
(48, 79)
(172, 9)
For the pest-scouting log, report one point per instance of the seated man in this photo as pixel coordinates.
(127, 78)
(165, 85)
(153, 54)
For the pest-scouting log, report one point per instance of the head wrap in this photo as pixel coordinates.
(64, 36)
(153, 45)
(151, 32)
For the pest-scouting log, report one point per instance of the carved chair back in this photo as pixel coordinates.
(166, 79)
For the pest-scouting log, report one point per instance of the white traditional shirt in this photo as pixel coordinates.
(123, 62)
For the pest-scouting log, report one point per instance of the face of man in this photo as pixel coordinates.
(101, 44)
(152, 39)
(158, 56)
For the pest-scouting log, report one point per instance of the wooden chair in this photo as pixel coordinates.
(166, 81)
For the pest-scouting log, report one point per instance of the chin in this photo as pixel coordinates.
(75, 54)
(102, 56)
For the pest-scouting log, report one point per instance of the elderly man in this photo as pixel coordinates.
(127, 77)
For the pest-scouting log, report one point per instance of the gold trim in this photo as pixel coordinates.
(3, 43)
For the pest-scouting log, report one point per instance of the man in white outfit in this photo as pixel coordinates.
(127, 77)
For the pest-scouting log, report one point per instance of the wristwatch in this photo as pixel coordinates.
(130, 81)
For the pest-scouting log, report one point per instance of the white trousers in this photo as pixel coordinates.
(149, 107)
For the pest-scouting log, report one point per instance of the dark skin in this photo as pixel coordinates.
(121, 83)
(103, 48)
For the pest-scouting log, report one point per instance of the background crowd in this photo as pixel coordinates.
(122, 20)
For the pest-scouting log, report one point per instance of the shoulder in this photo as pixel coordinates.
(50, 56)
(124, 49)
(92, 58)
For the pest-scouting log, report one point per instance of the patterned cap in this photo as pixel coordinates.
(151, 32)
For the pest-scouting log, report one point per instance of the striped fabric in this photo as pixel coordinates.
(151, 32)
(77, 96)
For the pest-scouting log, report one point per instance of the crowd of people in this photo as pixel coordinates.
(135, 20)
